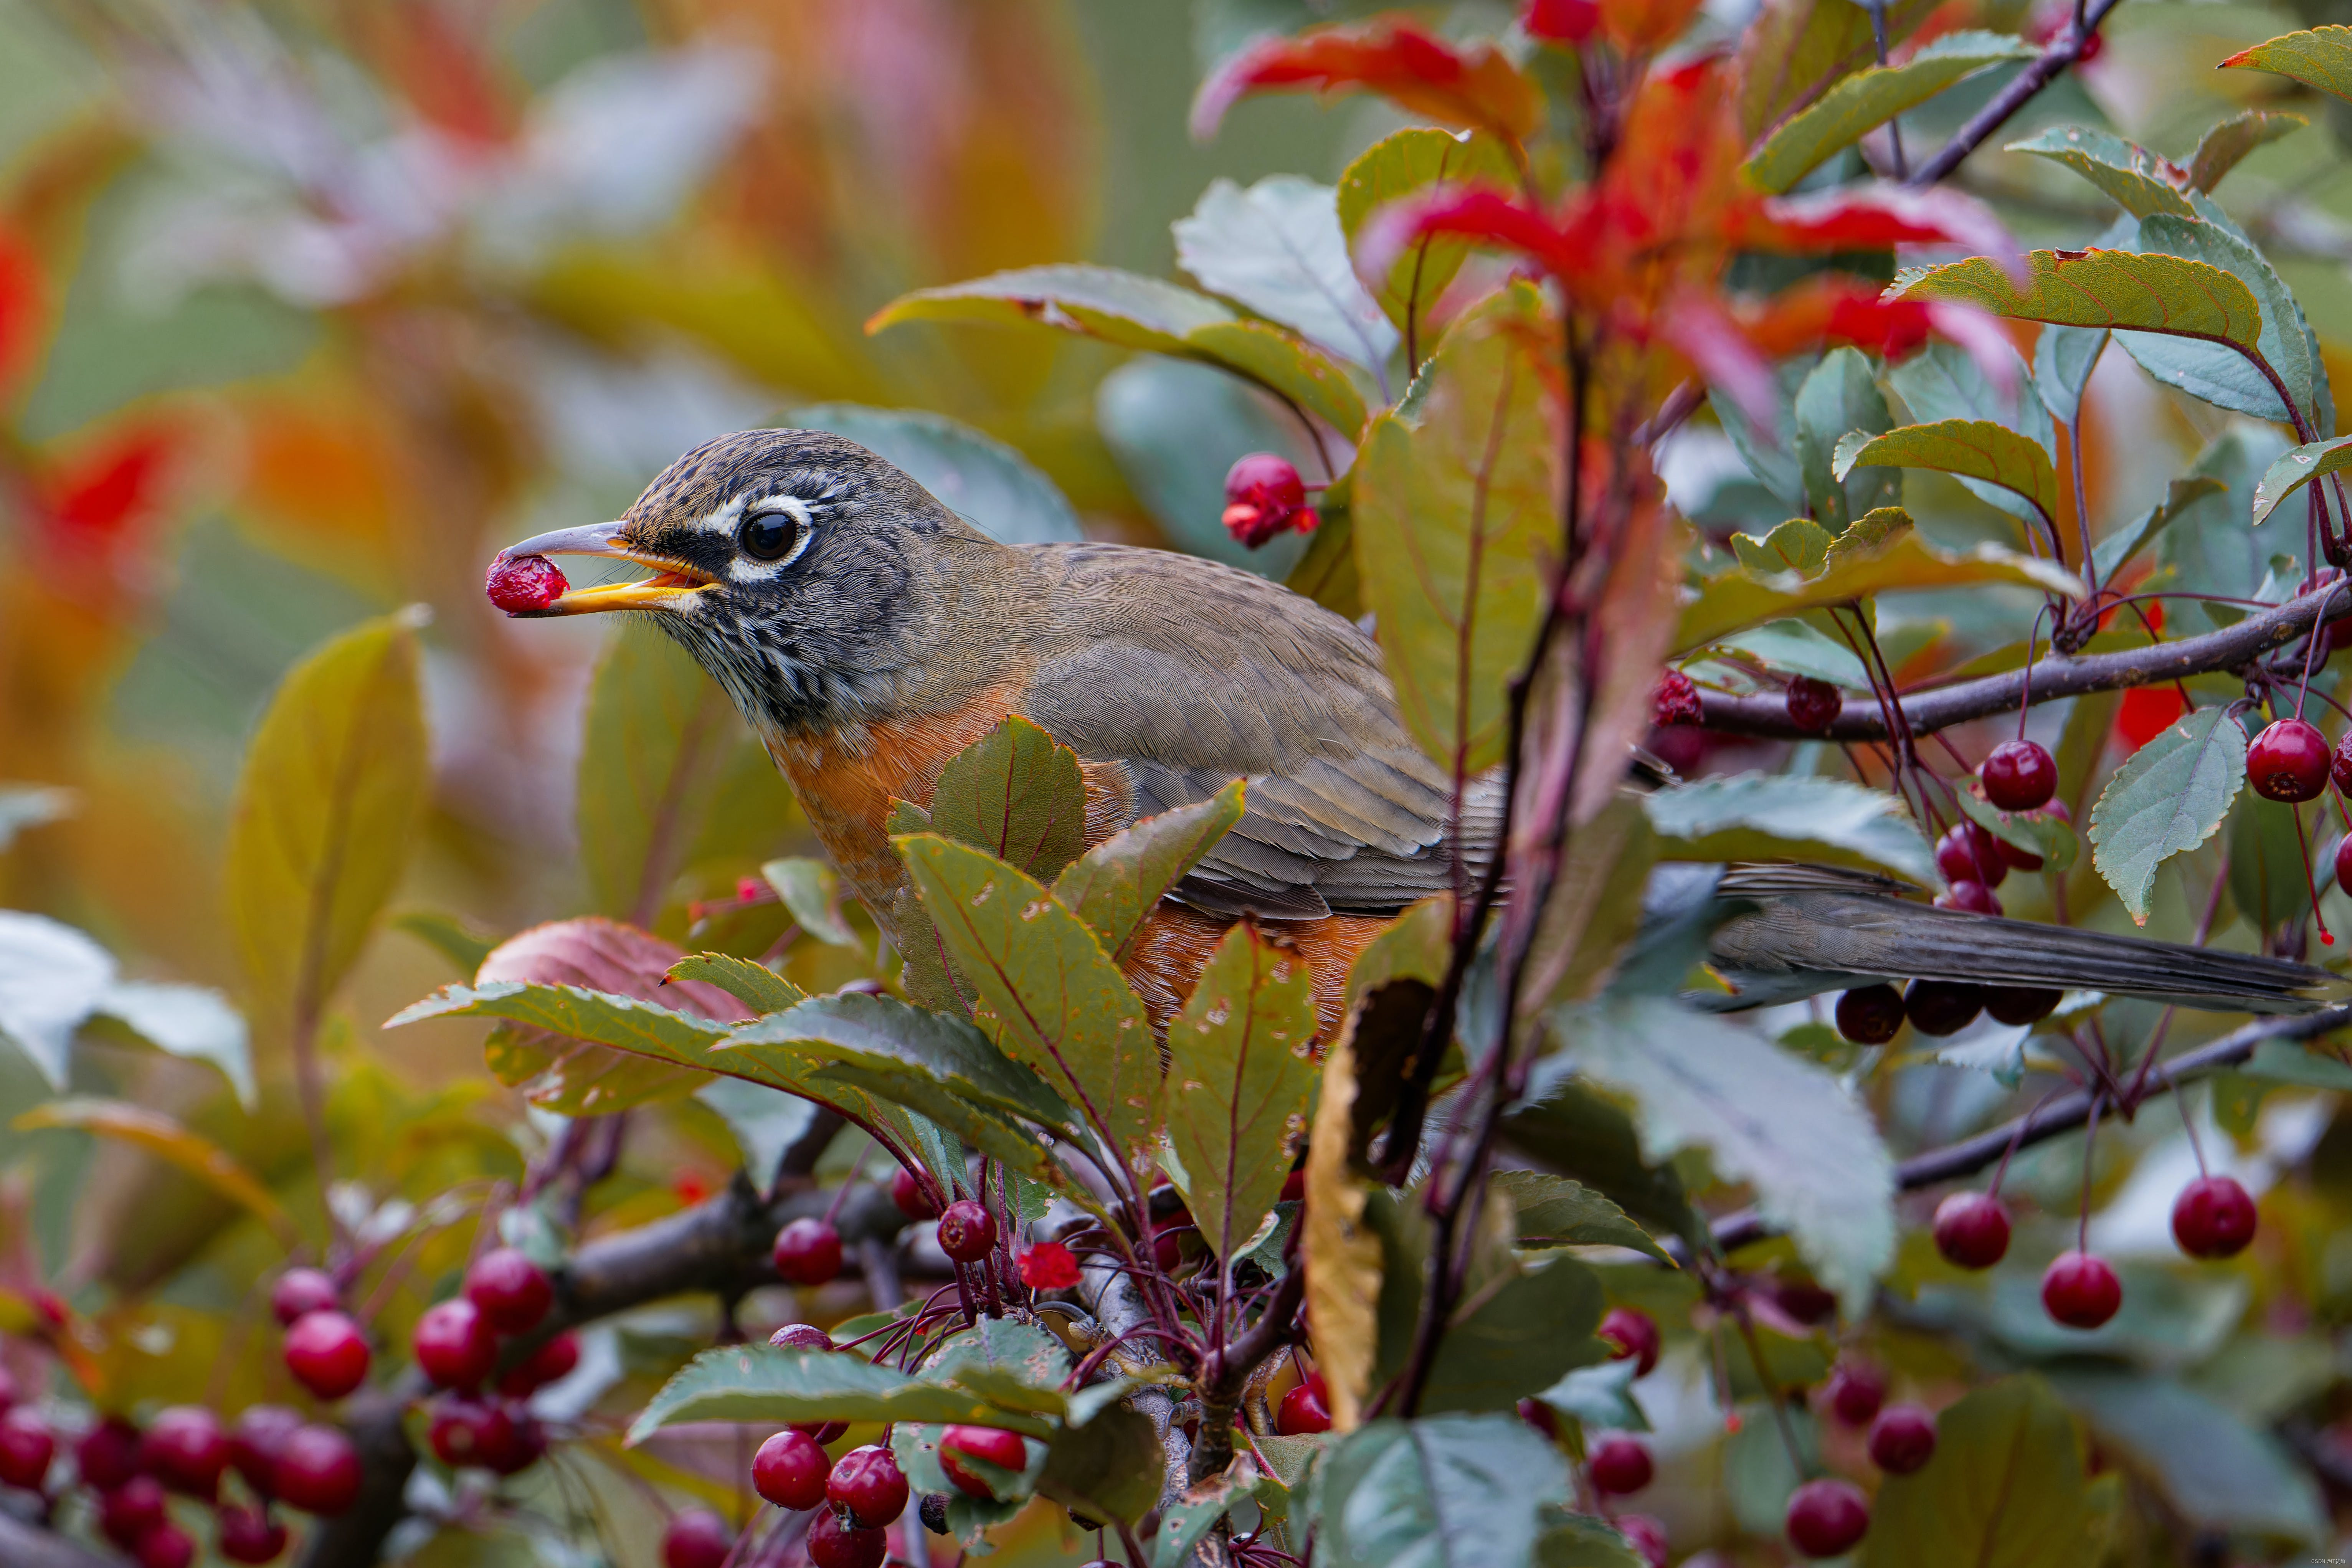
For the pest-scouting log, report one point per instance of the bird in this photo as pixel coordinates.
(867, 634)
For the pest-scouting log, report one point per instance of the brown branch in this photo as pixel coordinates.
(2039, 73)
(1229, 1373)
(24, 1545)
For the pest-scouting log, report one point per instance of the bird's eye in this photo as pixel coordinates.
(770, 535)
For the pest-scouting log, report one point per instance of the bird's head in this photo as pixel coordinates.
(805, 573)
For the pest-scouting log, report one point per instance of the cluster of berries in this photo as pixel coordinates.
(458, 1345)
(2020, 776)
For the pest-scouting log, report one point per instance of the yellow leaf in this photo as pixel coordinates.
(1342, 1255)
(161, 1136)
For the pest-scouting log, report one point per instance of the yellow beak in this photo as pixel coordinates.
(672, 580)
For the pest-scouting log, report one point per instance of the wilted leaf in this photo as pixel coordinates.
(655, 728)
(811, 891)
(1451, 1491)
(979, 477)
(1016, 793)
(2317, 57)
(2222, 148)
(2313, 460)
(1974, 448)
(2113, 289)
(1404, 163)
(2007, 1488)
(1114, 886)
(760, 1382)
(167, 1139)
(1869, 98)
(1341, 1253)
(1787, 816)
(1277, 248)
(2169, 796)
(1736, 601)
(1554, 1211)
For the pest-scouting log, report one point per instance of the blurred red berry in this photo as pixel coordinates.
(697, 1538)
(130, 1510)
(511, 1292)
(1813, 705)
(790, 1470)
(807, 1252)
(301, 1291)
(249, 1535)
(2080, 1289)
(1675, 700)
(909, 1194)
(1619, 1467)
(166, 1546)
(26, 1447)
(991, 1445)
(327, 1353)
(1971, 1230)
(256, 1442)
(1265, 497)
(868, 1486)
(1646, 1536)
(834, 1544)
(454, 1345)
(1634, 1333)
(522, 584)
(515, 1443)
(2213, 1218)
(1974, 896)
(2019, 775)
(1856, 1390)
(552, 1362)
(185, 1449)
(108, 1454)
(1826, 1517)
(319, 1470)
(1902, 1439)
(1305, 1409)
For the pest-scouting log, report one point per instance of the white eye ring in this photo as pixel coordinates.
(758, 536)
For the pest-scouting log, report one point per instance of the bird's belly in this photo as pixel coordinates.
(1167, 959)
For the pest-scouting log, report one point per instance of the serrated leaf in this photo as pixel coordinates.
(2036, 832)
(811, 891)
(1569, 1128)
(2064, 359)
(759, 988)
(1793, 646)
(1450, 1492)
(1799, 545)
(2290, 472)
(1869, 98)
(978, 477)
(2316, 56)
(168, 1140)
(1735, 600)
(2168, 797)
(762, 1383)
(656, 729)
(1554, 1211)
(1971, 448)
(2006, 1488)
(1125, 309)
(2219, 375)
(2134, 178)
(2222, 148)
(1277, 248)
(1775, 816)
(2115, 289)
(1114, 886)
(1401, 163)
(623, 1023)
(1016, 793)
(879, 1031)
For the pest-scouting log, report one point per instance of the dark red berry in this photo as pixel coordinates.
(511, 1292)
(807, 1252)
(833, 1544)
(1870, 1015)
(185, 1449)
(967, 1231)
(1540, 1416)
(465, 1430)
(1804, 1300)
(1306, 1409)
(248, 1535)
(552, 1362)
(2213, 1218)
(1942, 1007)
(130, 1510)
(1971, 1230)
(1856, 1390)
(1974, 896)
(522, 583)
(2080, 1290)
(319, 1470)
(1902, 1439)
(801, 1337)
(2340, 763)
(1646, 1536)
(697, 1538)
(2344, 864)
(1675, 700)
(2020, 1005)
(821, 1432)
(1813, 705)
(452, 1346)
(26, 1447)
(1634, 1335)
(909, 1194)
(1827, 1517)
(108, 1454)
(301, 1291)
(1619, 1467)
(2019, 775)
(1004, 1449)
(166, 1546)
(258, 1440)
(867, 1484)
(1265, 497)
(1968, 853)
(2288, 761)
(790, 1470)
(513, 1440)
(327, 1353)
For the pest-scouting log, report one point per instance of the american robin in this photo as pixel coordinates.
(868, 635)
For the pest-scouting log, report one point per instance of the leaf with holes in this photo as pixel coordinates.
(1869, 98)
(1420, 158)
(2317, 57)
(2169, 796)
(2290, 472)
(1114, 886)
(1972, 448)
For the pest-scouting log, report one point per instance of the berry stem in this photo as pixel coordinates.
(2188, 1125)
(2090, 1143)
(2310, 884)
(1772, 1393)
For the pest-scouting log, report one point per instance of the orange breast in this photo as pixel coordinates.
(1167, 959)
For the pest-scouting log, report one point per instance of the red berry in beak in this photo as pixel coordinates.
(522, 583)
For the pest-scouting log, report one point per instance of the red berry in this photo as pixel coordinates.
(1675, 700)
(301, 1291)
(967, 1231)
(1941, 1006)
(130, 1510)
(509, 1291)
(185, 1449)
(1813, 705)
(1263, 497)
(2340, 763)
(454, 1346)
(1634, 1333)
(27, 1446)
(1973, 897)
(108, 1454)
(1619, 1467)
(801, 1337)
(867, 1484)
(2080, 1290)
(1004, 1449)
(790, 1470)
(909, 1194)
(258, 1440)
(1804, 1300)
(1856, 1390)
(1870, 1015)
(512, 1440)
(833, 1544)
(327, 1353)
(1902, 1439)
(551, 1362)
(697, 1538)
(2019, 775)
(1048, 1266)
(807, 1252)
(2288, 761)
(1971, 1230)
(2213, 1218)
(2019, 1004)
(319, 1470)
(1540, 1416)
(1306, 1409)
(470, 1431)
(1168, 1242)
(821, 1432)
(1971, 853)
(248, 1535)
(522, 583)
(2344, 864)
(1826, 1517)
(1646, 1536)
(166, 1546)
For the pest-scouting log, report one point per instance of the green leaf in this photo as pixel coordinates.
(1114, 886)
(758, 988)
(2215, 1471)
(2112, 553)
(765, 1122)
(1450, 1492)
(1277, 248)
(1286, 366)
(1554, 1211)
(1581, 1541)
(1972, 448)
(656, 729)
(169, 1140)
(1765, 1117)
(1792, 53)
(1455, 525)
(1736, 601)
(762, 1383)
(2064, 359)
(2168, 797)
(1776, 817)
(2290, 473)
(1404, 163)
(1049, 994)
(1571, 1129)
(1327, 573)
(2222, 147)
(1241, 1065)
(1945, 382)
(2006, 1488)
(1601, 1396)
(1016, 793)
(2319, 58)
(2134, 178)
(2209, 544)
(1770, 453)
(1109, 1468)
(1797, 648)
(882, 1033)
(2219, 375)
(1799, 545)
(2036, 832)
(2267, 880)
(1124, 308)
(322, 823)
(1869, 98)
(1189, 1519)
(1841, 396)
(811, 890)
(623, 1023)
(976, 475)
(2114, 288)
(448, 936)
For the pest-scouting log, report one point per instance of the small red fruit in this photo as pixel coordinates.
(2213, 1218)
(327, 1353)
(1971, 1230)
(967, 1231)
(801, 1337)
(990, 1445)
(868, 1486)
(522, 583)
(1804, 1301)
(301, 1291)
(2080, 1289)
(458, 1429)
(166, 1546)
(1619, 1467)
(697, 1538)
(249, 1535)
(185, 1449)
(1942, 1007)
(108, 1454)
(2340, 763)
(2019, 775)
(258, 1440)
(1675, 700)
(1540, 1416)
(1856, 1390)
(1634, 1333)
(26, 1447)
(2344, 864)
(1265, 497)
(833, 1544)
(2019, 1004)
(319, 1470)
(130, 1510)
(1646, 1536)
(552, 1362)
(908, 1193)
(1974, 896)
(1902, 1439)
(1966, 853)
(453, 1344)
(790, 1470)
(1870, 1015)
(1813, 705)
(1826, 1517)
(807, 1252)
(513, 1441)
(2288, 761)
(1306, 1409)
(511, 1292)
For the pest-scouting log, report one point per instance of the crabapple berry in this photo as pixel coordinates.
(520, 584)
(2018, 1004)
(1634, 1333)
(1294, 1185)
(256, 1442)
(2213, 1218)
(1902, 1439)
(1540, 1416)
(807, 1252)
(1619, 1466)
(454, 1344)
(1306, 1408)
(1870, 1015)
(991, 1445)
(461, 1429)
(108, 1454)
(319, 1470)
(1941, 1006)
(868, 1486)
(1973, 897)
(2019, 775)
(301, 1291)
(1971, 1230)
(27, 1446)
(249, 1535)
(2288, 761)
(908, 1193)
(1827, 1517)
(967, 1231)
(2344, 864)
(551, 1362)
(801, 1337)
(185, 1449)
(1813, 705)
(790, 1470)
(1856, 1390)
(1968, 853)
(166, 1546)
(1675, 700)
(697, 1538)
(1263, 497)
(1646, 1536)
(511, 1292)
(2080, 1289)
(833, 1544)
(327, 1353)
(512, 1439)
(130, 1510)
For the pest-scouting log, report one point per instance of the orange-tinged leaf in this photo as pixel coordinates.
(1639, 27)
(2319, 57)
(2116, 289)
(1474, 87)
(161, 1136)
(22, 306)
(1339, 1252)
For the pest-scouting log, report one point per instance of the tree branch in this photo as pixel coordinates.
(2039, 73)
(25, 1545)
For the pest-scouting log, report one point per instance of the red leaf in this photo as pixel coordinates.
(1705, 334)
(1560, 21)
(1639, 27)
(1878, 217)
(1048, 1266)
(606, 955)
(2146, 712)
(20, 306)
(1488, 217)
(1840, 310)
(94, 500)
(1474, 86)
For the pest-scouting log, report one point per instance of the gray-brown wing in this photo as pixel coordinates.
(1189, 674)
